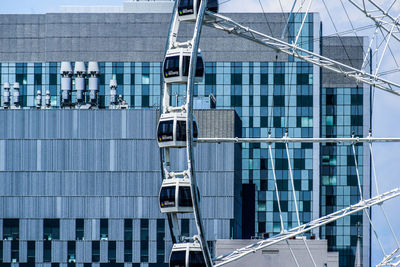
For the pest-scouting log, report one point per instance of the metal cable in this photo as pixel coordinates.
(362, 198)
(295, 201)
(334, 25)
(279, 202)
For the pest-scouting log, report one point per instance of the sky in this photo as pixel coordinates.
(386, 112)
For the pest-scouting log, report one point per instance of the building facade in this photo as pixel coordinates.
(270, 92)
(74, 189)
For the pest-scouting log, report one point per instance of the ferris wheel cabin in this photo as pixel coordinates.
(171, 130)
(175, 196)
(187, 255)
(188, 9)
(176, 66)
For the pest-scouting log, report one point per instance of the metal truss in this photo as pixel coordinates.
(379, 16)
(299, 140)
(228, 25)
(393, 259)
(362, 205)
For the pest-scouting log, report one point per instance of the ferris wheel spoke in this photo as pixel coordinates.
(362, 205)
(228, 25)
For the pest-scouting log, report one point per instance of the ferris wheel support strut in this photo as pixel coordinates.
(381, 18)
(228, 25)
(362, 205)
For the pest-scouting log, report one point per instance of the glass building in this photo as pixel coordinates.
(271, 93)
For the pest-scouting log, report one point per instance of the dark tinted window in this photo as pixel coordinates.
(47, 251)
(185, 197)
(165, 131)
(103, 229)
(95, 251)
(160, 240)
(79, 229)
(177, 259)
(212, 5)
(14, 251)
(112, 251)
(128, 251)
(128, 229)
(196, 259)
(199, 66)
(11, 229)
(31, 251)
(167, 197)
(144, 240)
(51, 229)
(185, 227)
(185, 7)
(71, 251)
(171, 67)
(195, 130)
(181, 131)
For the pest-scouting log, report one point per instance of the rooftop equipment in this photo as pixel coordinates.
(171, 130)
(175, 196)
(93, 72)
(6, 96)
(176, 66)
(80, 83)
(187, 255)
(188, 9)
(113, 93)
(38, 99)
(47, 99)
(16, 95)
(66, 84)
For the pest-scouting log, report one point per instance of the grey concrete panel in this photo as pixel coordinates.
(23, 251)
(58, 251)
(103, 251)
(6, 251)
(123, 32)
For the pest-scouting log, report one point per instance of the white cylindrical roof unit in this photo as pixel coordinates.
(94, 72)
(80, 84)
(113, 92)
(93, 68)
(66, 83)
(6, 95)
(38, 98)
(48, 99)
(66, 69)
(80, 69)
(16, 94)
(113, 84)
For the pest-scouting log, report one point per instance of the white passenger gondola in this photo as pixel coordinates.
(187, 255)
(176, 66)
(175, 196)
(171, 130)
(188, 9)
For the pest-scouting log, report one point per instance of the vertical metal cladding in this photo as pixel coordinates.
(50, 173)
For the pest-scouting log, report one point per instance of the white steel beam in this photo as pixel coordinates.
(390, 260)
(379, 16)
(226, 24)
(299, 140)
(362, 205)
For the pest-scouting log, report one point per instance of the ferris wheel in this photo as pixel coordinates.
(177, 127)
